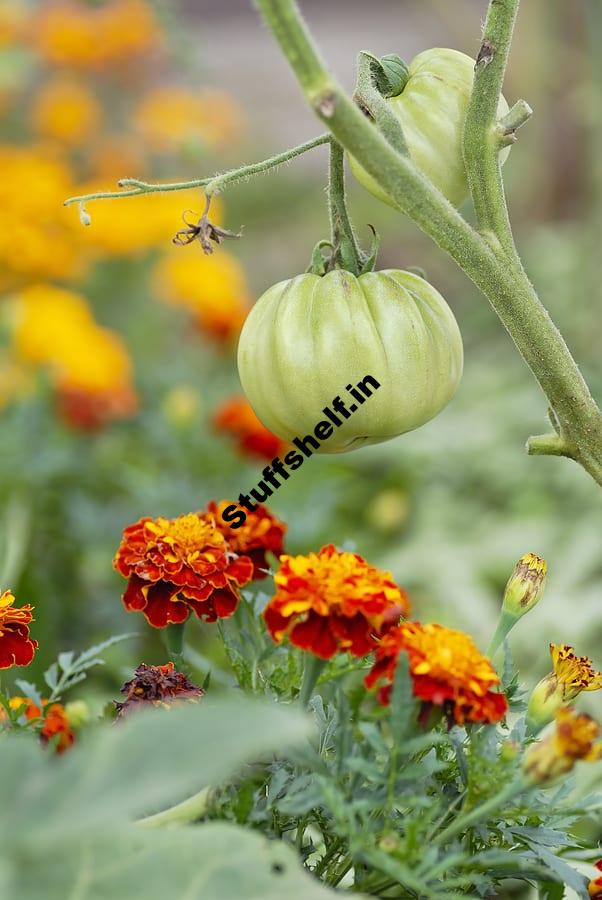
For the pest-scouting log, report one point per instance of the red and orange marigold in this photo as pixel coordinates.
(236, 418)
(447, 670)
(53, 721)
(595, 885)
(333, 601)
(17, 648)
(178, 566)
(261, 533)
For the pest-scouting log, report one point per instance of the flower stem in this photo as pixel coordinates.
(347, 254)
(212, 184)
(187, 811)
(481, 812)
(174, 642)
(501, 279)
(311, 672)
(505, 625)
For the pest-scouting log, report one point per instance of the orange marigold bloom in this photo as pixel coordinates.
(178, 566)
(157, 686)
(67, 32)
(53, 721)
(595, 885)
(235, 417)
(65, 110)
(447, 670)
(333, 601)
(16, 646)
(260, 533)
(571, 675)
(576, 737)
(169, 118)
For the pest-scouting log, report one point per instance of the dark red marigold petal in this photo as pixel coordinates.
(240, 570)
(275, 623)
(315, 635)
(355, 632)
(225, 602)
(161, 610)
(16, 648)
(133, 598)
(201, 593)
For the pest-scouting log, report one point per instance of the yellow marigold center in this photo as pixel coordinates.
(448, 655)
(572, 671)
(187, 534)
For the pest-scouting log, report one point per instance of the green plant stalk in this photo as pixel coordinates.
(174, 643)
(181, 814)
(505, 286)
(347, 254)
(311, 672)
(505, 625)
(213, 184)
(481, 812)
(369, 98)
(17, 530)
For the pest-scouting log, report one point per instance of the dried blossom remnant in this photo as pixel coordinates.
(178, 566)
(202, 230)
(17, 648)
(571, 675)
(576, 737)
(261, 533)
(526, 585)
(331, 602)
(447, 670)
(157, 686)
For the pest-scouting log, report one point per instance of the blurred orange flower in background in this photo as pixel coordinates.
(235, 417)
(212, 288)
(260, 533)
(178, 566)
(65, 110)
(170, 118)
(14, 17)
(447, 670)
(333, 601)
(54, 722)
(16, 646)
(87, 35)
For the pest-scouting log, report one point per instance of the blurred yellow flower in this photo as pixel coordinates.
(89, 365)
(39, 238)
(116, 156)
(86, 35)
(213, 288)
(65, 110)
(134, 225)
(167, 118)
(13, 20)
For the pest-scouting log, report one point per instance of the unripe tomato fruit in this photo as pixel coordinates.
(307, 338)
(431, 110)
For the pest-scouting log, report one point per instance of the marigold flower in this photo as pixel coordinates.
(212, 288)
(82, 35)
(53, 720)
(595, 885)
(178, 566)
(447, 670)
(526, 585)
(157, 686)
(14, 16)
(17, 648)
(65, 110)
(169, 118)
(235, 417)
(39, 238)
(333, 601)
(260, 533)
(576, 736)
(571, 675)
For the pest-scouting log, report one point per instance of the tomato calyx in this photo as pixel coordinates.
(322, 263)
(389, 73)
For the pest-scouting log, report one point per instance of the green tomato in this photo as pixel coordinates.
(307, 338)
(431, 110)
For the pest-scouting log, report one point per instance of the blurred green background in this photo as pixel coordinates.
(448, 508)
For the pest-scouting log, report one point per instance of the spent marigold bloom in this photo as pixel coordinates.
(17, 648)
(571, 675)
(178, 566)
(260, 533)
(525, 586)
(446, 668)
(333, 601)
(83, 35)
(157, 686)
(575, 736)
(169, 118)
(212, 288)
(595, 886)
(65, 110)
(235, 417)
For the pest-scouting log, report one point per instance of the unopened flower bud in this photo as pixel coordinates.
(525, 586)
(84, 215)
(78, 713)
(572, 674)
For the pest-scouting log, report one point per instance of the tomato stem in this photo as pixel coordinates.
(346, 252)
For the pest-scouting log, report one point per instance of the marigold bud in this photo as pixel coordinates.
(576, 737)
(77, 713)
(525, 586)
(572, 674)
